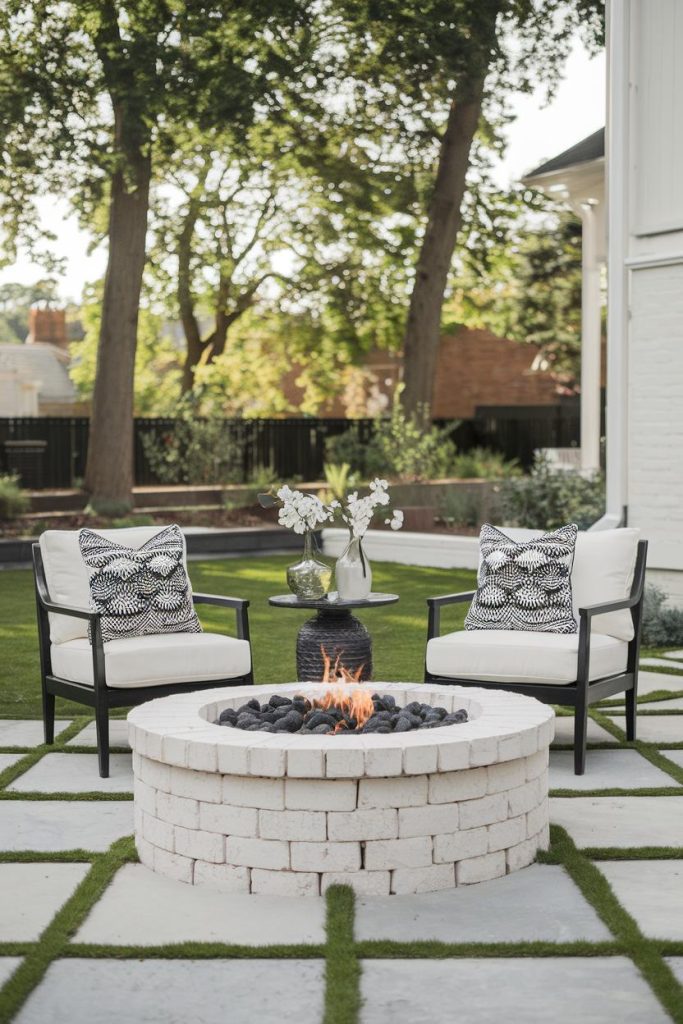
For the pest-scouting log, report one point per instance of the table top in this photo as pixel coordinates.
(331, 602)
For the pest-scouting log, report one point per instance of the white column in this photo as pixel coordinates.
(590, 341)
(617, 162)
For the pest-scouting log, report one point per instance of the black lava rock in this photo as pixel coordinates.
(276, 701)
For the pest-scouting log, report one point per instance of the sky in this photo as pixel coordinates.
(538, 132)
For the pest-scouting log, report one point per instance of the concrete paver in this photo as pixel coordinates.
(656, 728)
(55, 825)
(518, 991)
(143, 909)
(8, 965)
(178, 991)
(76, 773)
(26, 732)
(652, 892)
(564, 732)
(626, 821)
(31, 894)
(7, 760)
(118, 734)
(539, 903)
(606, 769)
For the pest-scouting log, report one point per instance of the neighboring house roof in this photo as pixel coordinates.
(589, 149)
(43, 363)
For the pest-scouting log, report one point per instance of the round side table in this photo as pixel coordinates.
(334, 632)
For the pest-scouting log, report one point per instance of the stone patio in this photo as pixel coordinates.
(130, 945)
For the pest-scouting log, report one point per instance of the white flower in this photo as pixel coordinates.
(396, 521)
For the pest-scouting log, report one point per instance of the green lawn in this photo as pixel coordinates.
(398, 630)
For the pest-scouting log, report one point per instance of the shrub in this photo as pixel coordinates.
(400, 448)
(13, 502)
(460, 508)
(483, 464)
(195, 451)
(548, 498)
(662, 626)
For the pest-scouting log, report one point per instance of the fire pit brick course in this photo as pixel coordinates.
(289, 814)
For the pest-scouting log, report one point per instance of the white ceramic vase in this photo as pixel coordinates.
(353, 574)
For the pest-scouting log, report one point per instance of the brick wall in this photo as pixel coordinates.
(475, 368)
(48, 325)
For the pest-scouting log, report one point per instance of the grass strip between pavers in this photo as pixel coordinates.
(342, 967)
(54, 939)
(47, 856)
(672, 790)
(632, 852)
(30, 794)
(195, 951)
(598, 892)
(643, 698)
(385, 949)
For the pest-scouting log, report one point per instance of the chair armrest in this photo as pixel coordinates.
(591, 610)
(219, 599)
(435, 605)
(65, 609)
(238, 603)
(444, 599)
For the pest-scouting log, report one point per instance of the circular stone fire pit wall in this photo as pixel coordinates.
(285, 814)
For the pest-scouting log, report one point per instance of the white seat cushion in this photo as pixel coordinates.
(507, 655)
(153, 660)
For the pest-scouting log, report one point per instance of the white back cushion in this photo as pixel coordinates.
(67, 576)
(604, 564)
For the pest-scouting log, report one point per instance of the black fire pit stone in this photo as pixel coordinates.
(299, 714)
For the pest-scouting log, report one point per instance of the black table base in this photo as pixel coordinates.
(333, 633)
(337, 635)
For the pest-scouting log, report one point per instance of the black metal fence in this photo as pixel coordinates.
(291, 447)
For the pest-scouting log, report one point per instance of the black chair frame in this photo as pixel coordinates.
(100, 696)
(581, 693)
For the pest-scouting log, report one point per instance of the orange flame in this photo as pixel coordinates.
(337, 673)
(354, 703)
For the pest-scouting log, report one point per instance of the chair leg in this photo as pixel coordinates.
(580, 737)
(102, 727)
(49, 716)
(631, 712)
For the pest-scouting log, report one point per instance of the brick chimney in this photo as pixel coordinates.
(47, 326)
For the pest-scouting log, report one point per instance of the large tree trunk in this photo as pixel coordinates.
(109, 470)
(444, 220)
(193, 338)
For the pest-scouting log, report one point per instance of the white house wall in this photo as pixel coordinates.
(656, 413)
(645, 282)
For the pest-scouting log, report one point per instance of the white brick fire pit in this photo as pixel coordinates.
(292, 814)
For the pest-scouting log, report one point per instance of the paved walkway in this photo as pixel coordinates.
(594, 931)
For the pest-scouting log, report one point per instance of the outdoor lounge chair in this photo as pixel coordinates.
(573, 670)
(126, 671)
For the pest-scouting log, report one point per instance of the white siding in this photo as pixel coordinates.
(657, 76)
(656, 412)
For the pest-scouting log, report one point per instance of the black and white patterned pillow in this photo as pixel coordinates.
(139, 591)
(524, 585)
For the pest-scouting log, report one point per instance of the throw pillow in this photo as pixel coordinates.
(524, 585)
(140, 591)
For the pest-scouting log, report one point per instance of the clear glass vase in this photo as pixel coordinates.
(353, 573)
(310, 577)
